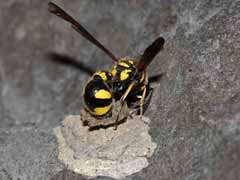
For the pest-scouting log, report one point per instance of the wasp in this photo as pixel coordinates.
(126, 82)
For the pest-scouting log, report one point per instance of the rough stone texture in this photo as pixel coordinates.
(106, 151)
(195, 111)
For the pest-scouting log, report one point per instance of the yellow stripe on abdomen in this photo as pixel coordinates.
(102, 75)
(102, 110)
(103, 94)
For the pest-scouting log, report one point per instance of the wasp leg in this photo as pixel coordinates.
(122, 101)
(142, 100)
(124, 96)
(145, 101)
(116, 122)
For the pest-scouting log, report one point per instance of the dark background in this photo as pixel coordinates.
(195, 109)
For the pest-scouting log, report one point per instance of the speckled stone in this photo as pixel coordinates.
(194, 109)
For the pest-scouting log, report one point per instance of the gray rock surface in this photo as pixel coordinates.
(195, 109)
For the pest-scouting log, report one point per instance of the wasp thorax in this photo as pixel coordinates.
(123, 74)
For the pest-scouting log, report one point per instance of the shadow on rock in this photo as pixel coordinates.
(66, 60)
(155, 78)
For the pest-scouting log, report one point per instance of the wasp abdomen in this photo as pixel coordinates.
(97, 95)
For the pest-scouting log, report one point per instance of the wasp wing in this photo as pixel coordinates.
(53, 8)
(149, 53)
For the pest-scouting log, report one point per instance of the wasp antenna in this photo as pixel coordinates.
(54, 9)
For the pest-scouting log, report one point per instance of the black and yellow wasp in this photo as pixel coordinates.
(126, 82)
